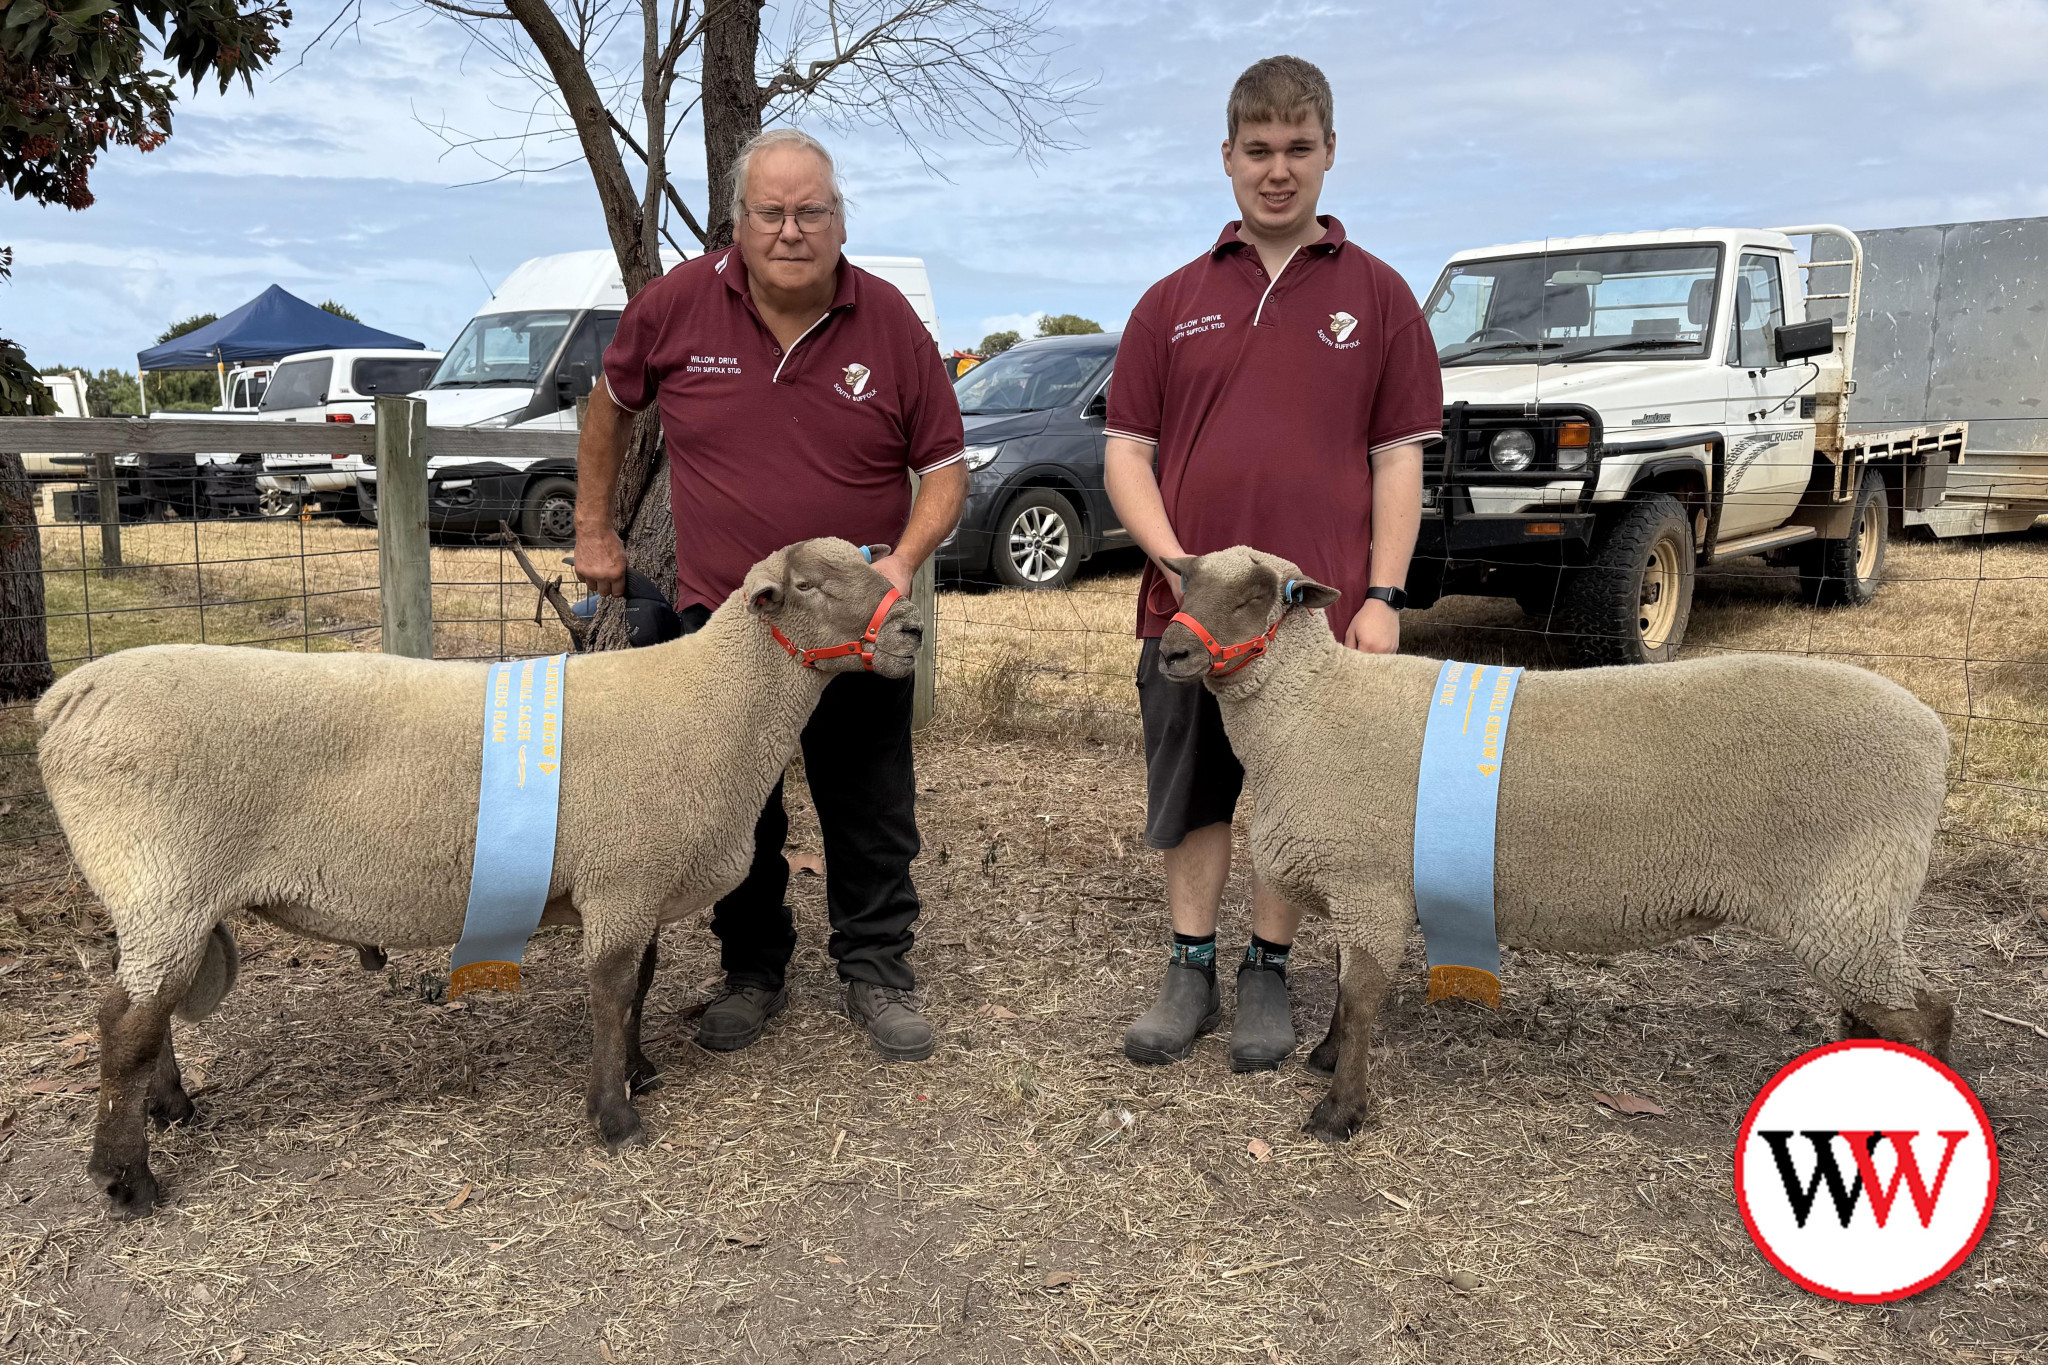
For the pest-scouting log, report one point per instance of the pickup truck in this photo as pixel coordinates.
(1621, 409)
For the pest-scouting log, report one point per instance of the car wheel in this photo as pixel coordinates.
(1630, 605)
(547, 519)
(1037, 541)
(275, 502)
(1847, 572)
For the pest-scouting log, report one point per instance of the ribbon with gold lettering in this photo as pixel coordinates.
(518, 800)
(1457, 797)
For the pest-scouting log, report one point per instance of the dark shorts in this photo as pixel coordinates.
(1192, 777)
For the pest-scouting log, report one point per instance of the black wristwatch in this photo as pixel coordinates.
(1396, 598)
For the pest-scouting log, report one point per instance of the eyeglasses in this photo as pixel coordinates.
(811, 218)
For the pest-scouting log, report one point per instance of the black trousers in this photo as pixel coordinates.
(857, 759)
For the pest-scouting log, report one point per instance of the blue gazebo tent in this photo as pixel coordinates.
(270, 326)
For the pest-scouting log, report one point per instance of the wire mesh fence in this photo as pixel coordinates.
(302, 582)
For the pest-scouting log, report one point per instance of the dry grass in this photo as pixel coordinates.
(375, 1177)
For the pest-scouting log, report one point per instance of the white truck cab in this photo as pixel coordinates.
(338, 386)
(530, 354)
(1620, 408)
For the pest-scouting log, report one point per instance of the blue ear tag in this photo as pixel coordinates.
(1292, 592)
(866, 555)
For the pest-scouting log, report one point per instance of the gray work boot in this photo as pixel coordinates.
(1263, 1033)
(1189, 1005)
(739, 1016)
(894, 1023)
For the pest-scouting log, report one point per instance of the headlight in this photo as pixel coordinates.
(1512, 451)
(1569, 457)
(503, 419)
(978, 457)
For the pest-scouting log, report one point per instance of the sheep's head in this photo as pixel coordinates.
(1238, 595)
(821, 593)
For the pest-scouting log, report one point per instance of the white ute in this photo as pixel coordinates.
(338, 386)
(1622, 408)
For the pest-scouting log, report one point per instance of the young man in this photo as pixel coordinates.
(1276, 393)
(795, 392)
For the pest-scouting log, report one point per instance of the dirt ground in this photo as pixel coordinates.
(375, 1176)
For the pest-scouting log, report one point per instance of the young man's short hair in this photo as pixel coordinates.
(1280, 90)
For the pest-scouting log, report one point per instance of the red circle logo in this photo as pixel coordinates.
(1866, 1171)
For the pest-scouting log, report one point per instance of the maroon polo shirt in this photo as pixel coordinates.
(765, 449)
(1266, 399)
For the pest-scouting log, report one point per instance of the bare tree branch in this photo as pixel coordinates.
(550, 591)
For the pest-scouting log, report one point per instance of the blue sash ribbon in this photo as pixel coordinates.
(518, 801)
(1457, 795)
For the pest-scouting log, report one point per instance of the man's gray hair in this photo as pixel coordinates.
(767, 141)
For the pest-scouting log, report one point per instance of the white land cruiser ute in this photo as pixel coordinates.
(1622, 408)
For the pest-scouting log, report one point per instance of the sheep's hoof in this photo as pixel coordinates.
(1324, 1058)
(621, 1128)
(1334, 1121)
(370, 957)
(176, 1107)
(130, 1194)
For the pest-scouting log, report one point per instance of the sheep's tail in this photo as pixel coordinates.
(62, 694)
(216, 975)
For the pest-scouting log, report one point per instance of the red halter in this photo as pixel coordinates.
(1225, 660)
(864, 646)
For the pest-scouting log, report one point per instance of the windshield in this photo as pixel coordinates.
(502, 348)
(1029, 379)
(1639, 303)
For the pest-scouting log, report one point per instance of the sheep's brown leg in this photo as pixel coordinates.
(131, 1039)
(1324, 1058)
(168, 1102)
(641, 1074)
(614, 976)
(1361, 985)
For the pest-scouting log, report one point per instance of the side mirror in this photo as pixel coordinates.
(1803, 339)
(575, 383)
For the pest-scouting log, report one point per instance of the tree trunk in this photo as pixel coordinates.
(732, 103)
(24, 640)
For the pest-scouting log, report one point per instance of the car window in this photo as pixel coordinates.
(389, 375)
(299, 384)
(1029, 379)
(1759, 312)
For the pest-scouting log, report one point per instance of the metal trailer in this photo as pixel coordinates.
(1952, 328)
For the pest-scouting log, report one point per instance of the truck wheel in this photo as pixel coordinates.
(1631, 603)
(275, 502)
(547, 519)
(1847, 572)
(1037, 541)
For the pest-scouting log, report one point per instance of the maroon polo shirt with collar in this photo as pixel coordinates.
(1266, 400)
(765, 449)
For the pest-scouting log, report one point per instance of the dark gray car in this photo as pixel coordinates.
(1035, 502)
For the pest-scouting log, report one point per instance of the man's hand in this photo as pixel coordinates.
(1375, 630)
(897, 570)
(601, 561)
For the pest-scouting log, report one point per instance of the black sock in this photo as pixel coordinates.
(1191, 951)
(1265, 953)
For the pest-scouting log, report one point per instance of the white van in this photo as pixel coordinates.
(523, 362)
(331, 386)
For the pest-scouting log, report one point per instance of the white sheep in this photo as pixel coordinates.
(1636, 806)
(164, 766)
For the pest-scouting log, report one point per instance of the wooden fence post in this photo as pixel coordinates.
(405, 568)
(110, 510)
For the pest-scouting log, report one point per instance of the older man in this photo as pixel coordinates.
(796, 392)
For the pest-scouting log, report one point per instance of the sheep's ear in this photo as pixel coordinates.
(764, 597)
(1179, 564)
(871, 553)
(1306, 592)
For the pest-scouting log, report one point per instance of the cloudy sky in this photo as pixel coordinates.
(1459, 124)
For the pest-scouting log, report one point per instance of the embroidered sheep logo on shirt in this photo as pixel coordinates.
(1341, 325)
(855, 377)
